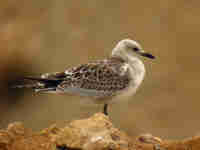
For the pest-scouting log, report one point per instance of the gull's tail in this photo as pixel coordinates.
(38, 84)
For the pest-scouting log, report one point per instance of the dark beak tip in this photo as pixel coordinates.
(152, 57)
(149, 56)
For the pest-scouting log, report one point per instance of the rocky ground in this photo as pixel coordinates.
(94, 133)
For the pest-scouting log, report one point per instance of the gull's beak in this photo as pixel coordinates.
(145, 54)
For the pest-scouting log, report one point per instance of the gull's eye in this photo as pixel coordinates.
(136, 49)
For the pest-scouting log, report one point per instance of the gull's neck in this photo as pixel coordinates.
(136, 65)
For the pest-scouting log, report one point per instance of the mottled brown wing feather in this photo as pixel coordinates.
(104, 76)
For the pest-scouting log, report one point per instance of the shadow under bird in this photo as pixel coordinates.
(104, 81)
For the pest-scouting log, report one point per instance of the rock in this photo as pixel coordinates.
(94, 133)
(16, 137)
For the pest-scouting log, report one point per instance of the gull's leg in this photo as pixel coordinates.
(105, 109)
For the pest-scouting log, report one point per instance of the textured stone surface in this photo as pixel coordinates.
(94, 133)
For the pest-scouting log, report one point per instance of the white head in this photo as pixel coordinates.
(128, 48)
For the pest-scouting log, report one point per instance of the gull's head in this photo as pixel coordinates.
(128, 47)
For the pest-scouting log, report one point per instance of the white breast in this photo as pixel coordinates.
(136, 73)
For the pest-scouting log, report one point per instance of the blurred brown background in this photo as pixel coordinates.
(47, 36)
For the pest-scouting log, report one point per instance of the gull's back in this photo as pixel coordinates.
(99, 80)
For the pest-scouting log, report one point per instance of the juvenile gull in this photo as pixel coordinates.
(102, 81)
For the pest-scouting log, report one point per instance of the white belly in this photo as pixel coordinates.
(137, 77)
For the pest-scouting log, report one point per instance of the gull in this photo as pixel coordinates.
(103, 81)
